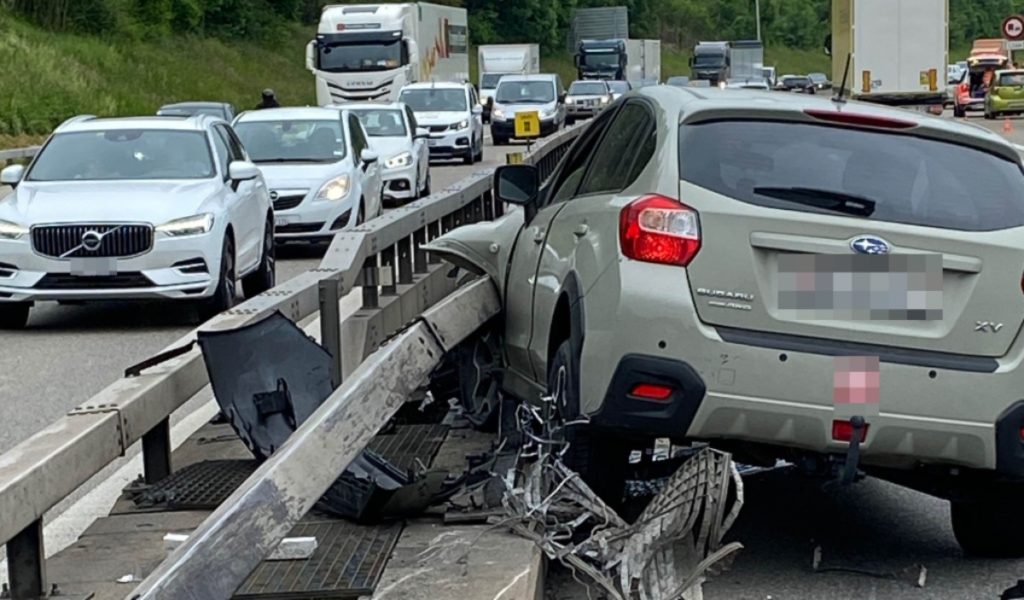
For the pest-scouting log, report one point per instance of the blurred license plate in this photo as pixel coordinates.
(93, 267)
(861, 287)
(280, 220)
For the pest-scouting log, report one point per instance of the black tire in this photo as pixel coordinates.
(601, 459)
(470, 156)
(224, 296)
(265, 275)
(989, 116)
(990, 529)
(14, 315)
(959, 112)
(426, 188)
(479, 156)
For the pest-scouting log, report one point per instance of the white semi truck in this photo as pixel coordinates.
(898, 50)
(496, 60)
(635, 61)
(367, 52)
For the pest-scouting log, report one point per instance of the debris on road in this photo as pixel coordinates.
(665, 554)
(916, 574)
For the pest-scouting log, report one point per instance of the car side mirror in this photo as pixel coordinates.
(478, 109)
(242, 170)
(311, 55)
(368, 157)
(518, 185)
(422, 133)
(12, 175)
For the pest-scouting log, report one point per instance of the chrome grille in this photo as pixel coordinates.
(65, 241)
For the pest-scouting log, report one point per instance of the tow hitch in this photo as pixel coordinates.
(849, 472)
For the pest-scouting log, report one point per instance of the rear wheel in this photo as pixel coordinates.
(989, 528)
(227, 288)
(601, 459)
(14, 315)
(265, 275)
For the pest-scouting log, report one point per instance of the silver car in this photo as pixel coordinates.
(835, 284)
(585, 99)
(135, 208)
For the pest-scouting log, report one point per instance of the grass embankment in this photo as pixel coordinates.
(49, 77)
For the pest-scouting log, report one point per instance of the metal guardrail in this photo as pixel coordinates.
(18, 154)
(383, 257)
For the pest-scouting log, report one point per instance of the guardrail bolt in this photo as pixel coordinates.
(55, 590)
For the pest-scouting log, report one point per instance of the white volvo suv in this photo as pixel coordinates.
(135, 208)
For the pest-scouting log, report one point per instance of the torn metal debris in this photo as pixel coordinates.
(665, 554)
(916, 574)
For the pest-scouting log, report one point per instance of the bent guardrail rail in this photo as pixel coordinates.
(384, 257)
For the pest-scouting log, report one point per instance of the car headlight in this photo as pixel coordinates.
(498, 113)
(195, 225)
(402, 160)
(12, 231)
(605, 99)
(570, 101)
(335, 189)
(464, 124)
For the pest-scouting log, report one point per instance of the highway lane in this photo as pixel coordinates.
(872, 526)
(68, 353)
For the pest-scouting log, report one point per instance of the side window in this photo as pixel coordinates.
(576, 162)
(358, 140)
(234, 145)
(623, 152)
(223, 151)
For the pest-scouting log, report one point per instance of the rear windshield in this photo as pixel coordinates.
(908, 179)
(1014, 79)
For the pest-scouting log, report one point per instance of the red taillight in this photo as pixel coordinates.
(659, 230)
(842, 431)
(859, 120)
(650, 391)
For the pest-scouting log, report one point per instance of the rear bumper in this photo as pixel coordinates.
(934, 410)
(1005, 106)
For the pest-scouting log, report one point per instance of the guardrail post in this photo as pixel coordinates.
(26, 563)
(404, 267)
(371, 299)
(434, 231)
(387, 261)
(156, 452)
(330, 324)
(419, 257)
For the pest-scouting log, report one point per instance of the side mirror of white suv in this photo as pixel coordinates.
(12, 175)
(242, 170)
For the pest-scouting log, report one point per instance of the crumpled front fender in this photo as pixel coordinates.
(483, 248)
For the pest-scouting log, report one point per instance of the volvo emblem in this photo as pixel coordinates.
(91, 240)
(869, 245)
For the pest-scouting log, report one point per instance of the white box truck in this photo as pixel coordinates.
(898, 50)
(496, 60)
(367, 52)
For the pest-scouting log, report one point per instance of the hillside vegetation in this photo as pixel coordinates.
(112, 57)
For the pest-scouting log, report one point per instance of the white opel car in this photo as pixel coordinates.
(322, 174)
(453, 114)
(402, 147)
(135, 208)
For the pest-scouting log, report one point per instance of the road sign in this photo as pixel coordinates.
(1013, 28)
(527, 124)
(1015, 45)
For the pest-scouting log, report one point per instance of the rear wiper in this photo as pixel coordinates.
(826, 199)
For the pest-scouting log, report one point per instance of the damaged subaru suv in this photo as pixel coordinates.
(782, 277)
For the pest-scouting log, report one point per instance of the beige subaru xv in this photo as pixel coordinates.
(783, 276)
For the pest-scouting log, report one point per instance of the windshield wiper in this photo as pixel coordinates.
(826, 199)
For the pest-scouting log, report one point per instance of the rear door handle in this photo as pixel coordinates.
(581, 230)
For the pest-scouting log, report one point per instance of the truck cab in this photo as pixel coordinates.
(368, 52)
(601, 59)
(711, 62)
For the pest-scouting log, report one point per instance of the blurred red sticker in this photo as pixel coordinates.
(855, 380)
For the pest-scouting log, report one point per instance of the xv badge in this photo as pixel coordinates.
(988, 326)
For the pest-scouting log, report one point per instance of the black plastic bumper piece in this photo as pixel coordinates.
(1009, 445)
(671, 417)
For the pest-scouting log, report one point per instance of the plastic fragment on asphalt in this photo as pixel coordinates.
(290, 548)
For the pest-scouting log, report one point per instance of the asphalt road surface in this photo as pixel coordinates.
(881, 531)
(68, 353)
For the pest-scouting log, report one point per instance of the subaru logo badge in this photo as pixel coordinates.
(869, 245)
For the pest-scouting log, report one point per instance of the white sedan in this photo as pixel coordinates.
(135, 208)
(323, 175)
(402, 147)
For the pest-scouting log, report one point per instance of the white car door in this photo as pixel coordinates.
(247, 213)
(369, 174)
